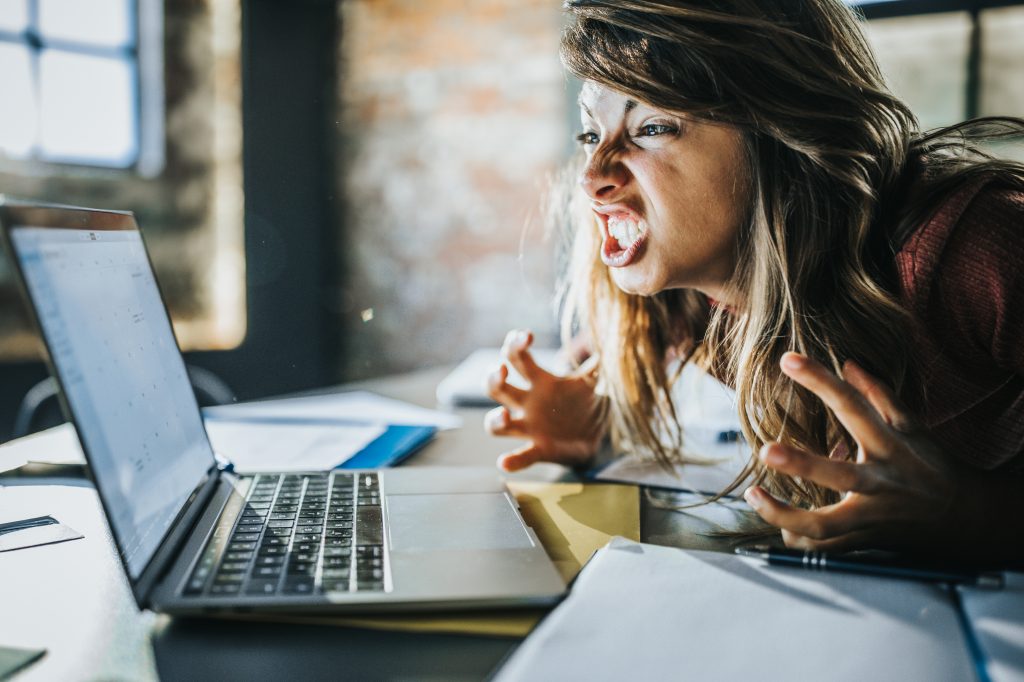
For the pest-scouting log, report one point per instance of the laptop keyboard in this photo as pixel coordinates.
(296, 534)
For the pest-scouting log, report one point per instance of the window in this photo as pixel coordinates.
(952, 60)
(131, 105)
(68, 66)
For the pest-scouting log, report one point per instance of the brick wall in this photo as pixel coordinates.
(452, 116)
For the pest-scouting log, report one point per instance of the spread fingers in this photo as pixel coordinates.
(503, 392)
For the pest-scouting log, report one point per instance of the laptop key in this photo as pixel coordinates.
(261, 586)
(238, 556)
(337, 573)
(231, 588)
(369, 526)
(337, 551)
(267, 571)
(245, 537)
(270, 540)
(298, 585)
(336, 585)
(306, 568)
(273, 550)
(228, 579)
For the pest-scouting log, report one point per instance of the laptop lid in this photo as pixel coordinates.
(91, 287)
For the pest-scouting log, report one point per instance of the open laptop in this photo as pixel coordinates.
(197, 539)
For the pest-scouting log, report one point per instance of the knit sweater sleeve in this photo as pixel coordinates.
(978, 290)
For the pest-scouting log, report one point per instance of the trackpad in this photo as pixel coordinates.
(460, 521)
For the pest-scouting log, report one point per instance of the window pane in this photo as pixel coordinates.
(87, 109)
(1002, 58)
(13, 15)
(924, 59)
(18, 113)
(105, 23)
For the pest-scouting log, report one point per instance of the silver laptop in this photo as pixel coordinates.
(194, 538)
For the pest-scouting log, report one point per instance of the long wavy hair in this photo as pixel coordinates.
(839, 174)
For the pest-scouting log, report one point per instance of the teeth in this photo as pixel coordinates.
(625, 231)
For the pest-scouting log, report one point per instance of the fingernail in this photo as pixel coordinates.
(793, 361)
(753, 496)
(520, 338)
(773, 456)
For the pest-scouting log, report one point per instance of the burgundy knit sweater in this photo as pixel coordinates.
(962, 276)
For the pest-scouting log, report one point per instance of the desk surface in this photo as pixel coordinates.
(80, 609)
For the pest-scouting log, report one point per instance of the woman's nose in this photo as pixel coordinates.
(602, 176)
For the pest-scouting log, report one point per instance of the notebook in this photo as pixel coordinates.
(194, 538)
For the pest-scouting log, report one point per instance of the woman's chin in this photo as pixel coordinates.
(631, 280)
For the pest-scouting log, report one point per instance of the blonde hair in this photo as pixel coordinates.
(830, 154)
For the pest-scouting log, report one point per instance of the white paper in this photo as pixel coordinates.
(997, 618)
(466, 384)
(57, 445)
(706, 409)
(644, 612)
(250, 445)
(255, 447)
(351, 406)
(705, 478)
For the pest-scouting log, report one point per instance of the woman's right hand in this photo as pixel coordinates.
(562, 417)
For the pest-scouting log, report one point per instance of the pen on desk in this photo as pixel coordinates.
(13, 526)
(820, 561)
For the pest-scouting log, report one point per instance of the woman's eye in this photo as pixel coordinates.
(653, 129)
(587, 137)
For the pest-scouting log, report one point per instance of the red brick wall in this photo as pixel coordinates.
(452, 115)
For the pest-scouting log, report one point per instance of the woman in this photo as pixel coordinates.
(753, 199)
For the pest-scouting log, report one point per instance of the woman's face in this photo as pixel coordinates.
(668, 193)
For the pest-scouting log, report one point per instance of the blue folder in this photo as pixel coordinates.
(393, 446)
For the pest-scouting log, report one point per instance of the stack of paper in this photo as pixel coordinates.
(641, 611)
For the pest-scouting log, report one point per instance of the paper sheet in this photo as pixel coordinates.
(706, 409)
(252, 446)
(641, 612)
(465, 385)
(255, 447)
(572, 521)
(706, 478)
(57, 445)
(352, 406)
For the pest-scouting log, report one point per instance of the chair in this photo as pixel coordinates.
(39, 408)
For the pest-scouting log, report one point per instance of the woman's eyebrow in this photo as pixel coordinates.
(630, 105)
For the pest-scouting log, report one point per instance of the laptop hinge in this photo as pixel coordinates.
(178, 533)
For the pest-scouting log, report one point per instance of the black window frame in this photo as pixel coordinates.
(891, 9)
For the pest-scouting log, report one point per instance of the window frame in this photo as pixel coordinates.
(891, 9)
(887, 9)
(147, 59)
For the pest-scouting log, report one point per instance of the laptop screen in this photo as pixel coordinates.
(123, 377)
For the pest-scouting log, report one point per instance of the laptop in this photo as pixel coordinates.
(194, 538)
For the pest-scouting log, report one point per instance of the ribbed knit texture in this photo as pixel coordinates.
(962, 276)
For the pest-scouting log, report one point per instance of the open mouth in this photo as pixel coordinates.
(624, 235)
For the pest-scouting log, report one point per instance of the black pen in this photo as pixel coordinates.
(820, 561)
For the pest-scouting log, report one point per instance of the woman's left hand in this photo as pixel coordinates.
(898, 492)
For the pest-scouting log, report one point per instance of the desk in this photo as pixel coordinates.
(82, 612)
